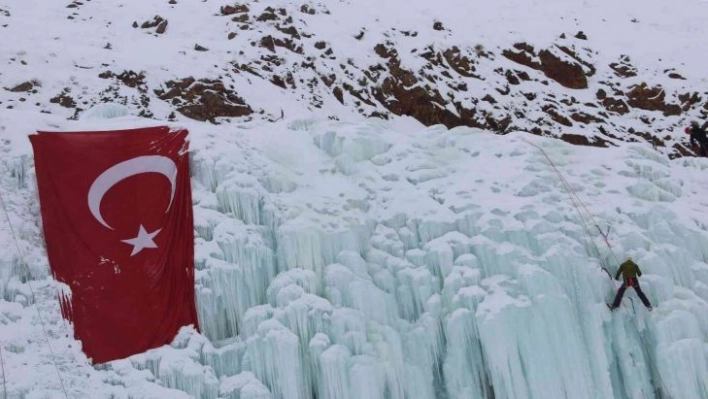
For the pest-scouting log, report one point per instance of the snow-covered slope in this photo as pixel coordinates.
(343, 257)
(589, 72)
(379, 260)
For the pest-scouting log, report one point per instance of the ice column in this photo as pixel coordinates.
(274, 354)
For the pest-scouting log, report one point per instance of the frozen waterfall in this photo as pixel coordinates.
(378, 261)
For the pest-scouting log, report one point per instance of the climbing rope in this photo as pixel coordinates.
(577, 204)
(652, 363)
(29, 283)
(4, 383)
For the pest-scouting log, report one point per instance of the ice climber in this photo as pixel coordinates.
(698, 138)
(629, 271)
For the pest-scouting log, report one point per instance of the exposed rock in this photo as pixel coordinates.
(591, 70)
(674, 75)
(580, 35)
(615, 105)
(128, 78)
(440, 85)
(360, 95)
(522, 75)
(267, 15)
(555, 115)
(511, 78)
(570, 75)
(151, 24)
(22, 87)
(157, 22)
(337, 92)
(63, 99)
(583, 140)
(648, 137)
(624, 70)
(278, 81)
(681, 150)
(290, 30)
(523, 55)
(307, 10)
(161, 28)
(271, 43)
(402, 93)
(459, 63)
(235, 9)
(585, 118)
(203, 100)
(132, 79)
(241, 18)
(651, 99)
(384, 52)
(688, 100)
(529, 96)
(267, 42)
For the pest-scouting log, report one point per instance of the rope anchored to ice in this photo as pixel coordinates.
(577, 204)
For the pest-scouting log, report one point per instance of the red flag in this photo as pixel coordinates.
(117, 217)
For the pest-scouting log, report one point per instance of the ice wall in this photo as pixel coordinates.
(355, 261)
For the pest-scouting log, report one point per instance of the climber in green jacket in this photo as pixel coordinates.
(629, 271)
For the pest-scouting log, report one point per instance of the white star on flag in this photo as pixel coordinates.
(142, 241)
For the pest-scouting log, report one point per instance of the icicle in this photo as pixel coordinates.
(225, 360)
(243, 205)
(318, 344)
(348, 328)
(275, 357)
(243, 386)
(346, 289)
(227, 289)
(313, 249)
(334, 373)
(185, 374)
(367, 378)
(416, 285)
(465, 368)
(423, 348)
(306, 279)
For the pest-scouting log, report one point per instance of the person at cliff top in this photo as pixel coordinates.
(699, 140)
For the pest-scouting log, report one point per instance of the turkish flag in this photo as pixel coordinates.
(117, 217)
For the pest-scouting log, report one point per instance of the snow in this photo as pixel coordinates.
(358, 258)
(482, 279)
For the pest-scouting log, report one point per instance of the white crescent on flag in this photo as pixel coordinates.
(121, 171)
